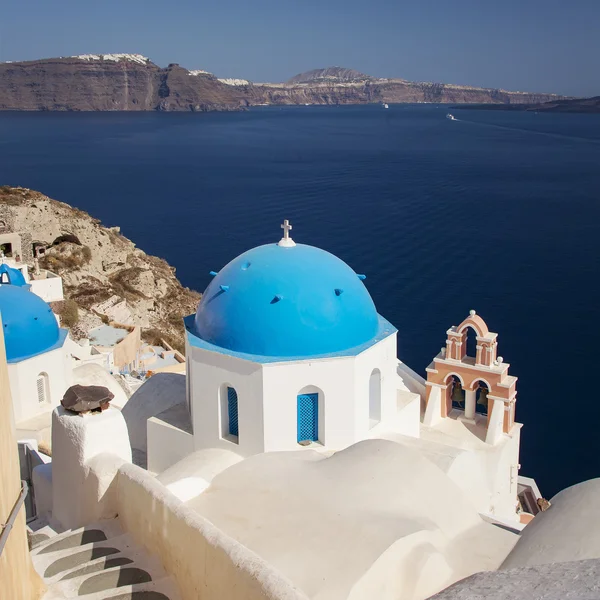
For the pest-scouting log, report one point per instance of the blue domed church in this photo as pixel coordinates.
(39, 368)
(287, 348)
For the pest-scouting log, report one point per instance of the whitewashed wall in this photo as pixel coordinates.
(332, 379)
(87, 451)
(49, 289)
(267, 398)
(209, 373)
(166, 445)
(23, 382)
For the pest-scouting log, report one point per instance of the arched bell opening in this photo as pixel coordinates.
(455, 392)
(482, 390)
(471, 343)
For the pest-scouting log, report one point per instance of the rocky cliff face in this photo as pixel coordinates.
(384, 90)
(110, 82)
(101, 268)
(132, 82)
(578, 105)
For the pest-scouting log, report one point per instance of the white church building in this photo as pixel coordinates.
(287, 347)
(288, 352)
(298, 454)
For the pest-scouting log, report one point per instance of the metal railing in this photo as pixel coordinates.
(7, 528)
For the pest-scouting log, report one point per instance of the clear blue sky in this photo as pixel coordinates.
(533, 45)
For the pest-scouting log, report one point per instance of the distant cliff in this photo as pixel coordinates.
(131, 82)
(578, 105)
(338, 85)
(110, 82)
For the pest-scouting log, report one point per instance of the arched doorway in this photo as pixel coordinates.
(309, 409)
(374, 398)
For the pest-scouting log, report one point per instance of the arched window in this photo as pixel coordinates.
(374, 398)
(43, 390)
(229, 413)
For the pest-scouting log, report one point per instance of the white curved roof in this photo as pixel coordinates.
(569, 530)
(190, 476)
(376, 520)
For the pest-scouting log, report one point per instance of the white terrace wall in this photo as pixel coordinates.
(205, 563)
(49, 289)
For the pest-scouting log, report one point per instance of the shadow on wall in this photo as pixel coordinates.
(160, 392)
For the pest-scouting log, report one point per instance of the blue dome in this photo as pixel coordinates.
(30, 326)
(11, 276)
(286, 301)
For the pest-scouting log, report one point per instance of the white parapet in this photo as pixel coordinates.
(87, 451)
(49, 289)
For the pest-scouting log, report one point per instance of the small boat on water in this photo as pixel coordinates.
(385, 105)
(451, 117)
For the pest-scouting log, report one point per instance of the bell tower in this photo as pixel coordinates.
(476, 389)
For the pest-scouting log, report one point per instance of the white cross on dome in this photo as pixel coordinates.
(286, 241)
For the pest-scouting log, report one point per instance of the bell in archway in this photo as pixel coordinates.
(458, 394)
(482, 398)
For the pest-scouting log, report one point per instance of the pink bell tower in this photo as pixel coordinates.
(476, 389)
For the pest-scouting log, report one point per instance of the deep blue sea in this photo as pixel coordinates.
(498, 211)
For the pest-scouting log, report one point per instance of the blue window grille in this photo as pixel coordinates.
(232, 409)
(308, 417)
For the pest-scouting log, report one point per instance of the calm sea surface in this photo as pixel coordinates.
(498, 211)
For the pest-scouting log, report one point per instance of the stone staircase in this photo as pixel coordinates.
(98, 562)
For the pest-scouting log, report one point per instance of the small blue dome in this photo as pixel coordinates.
(11, 276)
(286, 301)
(30, 326)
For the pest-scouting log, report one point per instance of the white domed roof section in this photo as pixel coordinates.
(288, 300)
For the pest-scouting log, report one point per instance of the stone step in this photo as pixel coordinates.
(99, 562)
(162, 589)
(94, 533)
(52, 563)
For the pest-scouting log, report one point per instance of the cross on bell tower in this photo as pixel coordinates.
(286, 241)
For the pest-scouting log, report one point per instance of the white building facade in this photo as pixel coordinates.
(252, 406)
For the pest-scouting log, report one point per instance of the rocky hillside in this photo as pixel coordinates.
(110, 82)
(103, 273)
(131, 82)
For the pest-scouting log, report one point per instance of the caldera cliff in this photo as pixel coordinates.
(111, 82)
(131, 82)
